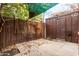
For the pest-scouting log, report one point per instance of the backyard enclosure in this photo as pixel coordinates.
(16, 31)
(64, 26)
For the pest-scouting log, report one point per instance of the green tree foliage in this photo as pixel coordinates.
(22, 11)
(17, 10)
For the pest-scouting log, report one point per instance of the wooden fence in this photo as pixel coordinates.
(64, 27)
(16, 31)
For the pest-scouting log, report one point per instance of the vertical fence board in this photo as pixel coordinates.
(74, 28)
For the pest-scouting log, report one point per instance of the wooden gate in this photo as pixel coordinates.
(64, 27)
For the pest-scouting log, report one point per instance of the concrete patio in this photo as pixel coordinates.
(43, 47)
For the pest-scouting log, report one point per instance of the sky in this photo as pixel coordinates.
(57, 8)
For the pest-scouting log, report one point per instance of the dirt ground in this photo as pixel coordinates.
(43, 47)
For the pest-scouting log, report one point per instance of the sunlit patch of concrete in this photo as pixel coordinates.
(43, 47)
